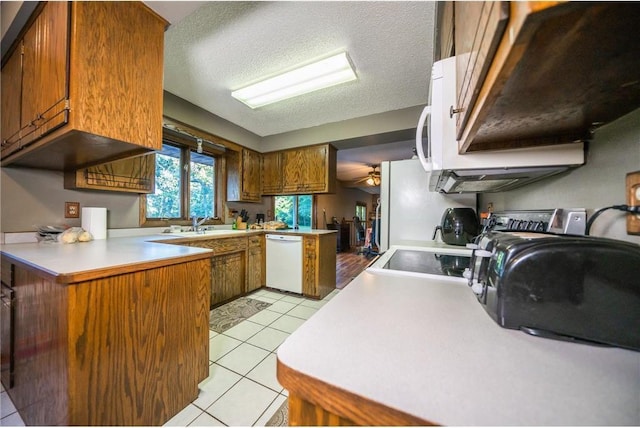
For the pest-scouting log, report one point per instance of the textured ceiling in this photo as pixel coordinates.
(222, 46)
(212, 48)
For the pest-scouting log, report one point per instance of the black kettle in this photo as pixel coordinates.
(459, 226)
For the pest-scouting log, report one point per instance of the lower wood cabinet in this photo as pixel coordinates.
(256, 271)
(237, 265)
(319, 265)
(227, 277)
(125, 349)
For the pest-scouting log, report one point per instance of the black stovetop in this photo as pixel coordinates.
(428, 262)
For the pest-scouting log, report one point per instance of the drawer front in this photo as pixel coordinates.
(255, 241)
(228, 245)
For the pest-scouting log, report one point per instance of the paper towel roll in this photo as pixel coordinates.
(94, 220)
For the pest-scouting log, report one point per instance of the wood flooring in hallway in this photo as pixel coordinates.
(348, 265)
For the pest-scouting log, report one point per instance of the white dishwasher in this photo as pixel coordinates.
(284, 262)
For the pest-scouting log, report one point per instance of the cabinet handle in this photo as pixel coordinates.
(37, 121)
(453, 111)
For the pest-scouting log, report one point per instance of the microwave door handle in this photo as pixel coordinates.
(426, 162)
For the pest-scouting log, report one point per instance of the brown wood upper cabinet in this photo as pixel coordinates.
(243, 176)
(272, 173)
(133, 175)
(310, 169)
(542, 73)
(87, 78)
(478, 29)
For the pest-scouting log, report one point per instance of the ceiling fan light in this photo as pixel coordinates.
(308, 78)
(370, 181)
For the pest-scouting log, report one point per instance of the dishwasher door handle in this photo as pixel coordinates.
(284, 237)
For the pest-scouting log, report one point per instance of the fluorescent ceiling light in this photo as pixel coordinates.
(311, 77)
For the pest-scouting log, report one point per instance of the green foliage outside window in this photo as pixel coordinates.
(294, 210)
(166, 201)
(202, 186)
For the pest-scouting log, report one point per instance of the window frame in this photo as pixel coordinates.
(360, 204)
(186, 146)
(314, 201)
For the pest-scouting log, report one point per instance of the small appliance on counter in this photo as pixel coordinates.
(570, 221)
(459, 226)
(569, 287)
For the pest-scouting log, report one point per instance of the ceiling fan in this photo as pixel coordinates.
(372, 178)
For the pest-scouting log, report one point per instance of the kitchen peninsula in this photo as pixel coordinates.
(411, 351)
(108, 332)
(114, 331)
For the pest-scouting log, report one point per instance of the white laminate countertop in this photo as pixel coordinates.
(428, 348)
(301, 231)
(69, 259)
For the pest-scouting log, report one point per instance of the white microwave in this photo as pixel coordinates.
(487, 171)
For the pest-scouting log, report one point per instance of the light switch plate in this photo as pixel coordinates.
(633, 198)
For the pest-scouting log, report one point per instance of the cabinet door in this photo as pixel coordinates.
(308, 169)
(11, 81)
(251, 169)
(314, 167)
(44, 72)
(272, 173)
(309, 283)
(243, 176)
(292, 171)
(7, 313)
(444, 30)
(135, 175)
(255, 264)
(478, 29)
(227, 277)
(40, 344)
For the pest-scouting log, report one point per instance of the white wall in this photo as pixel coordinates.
(359, 127)
(341, 204)
(614, 152)
(31, 197)
(192, 115)
(9, 11)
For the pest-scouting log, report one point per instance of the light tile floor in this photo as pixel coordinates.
(242, 388)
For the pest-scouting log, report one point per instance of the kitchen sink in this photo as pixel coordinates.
(207, 232)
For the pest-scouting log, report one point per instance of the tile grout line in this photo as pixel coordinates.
(274, 351)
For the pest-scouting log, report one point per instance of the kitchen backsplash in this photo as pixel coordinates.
(613, 152)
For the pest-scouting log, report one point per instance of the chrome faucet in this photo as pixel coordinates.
(197, 224)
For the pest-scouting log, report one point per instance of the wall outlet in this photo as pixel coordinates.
(72, 210)
(633, 198)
